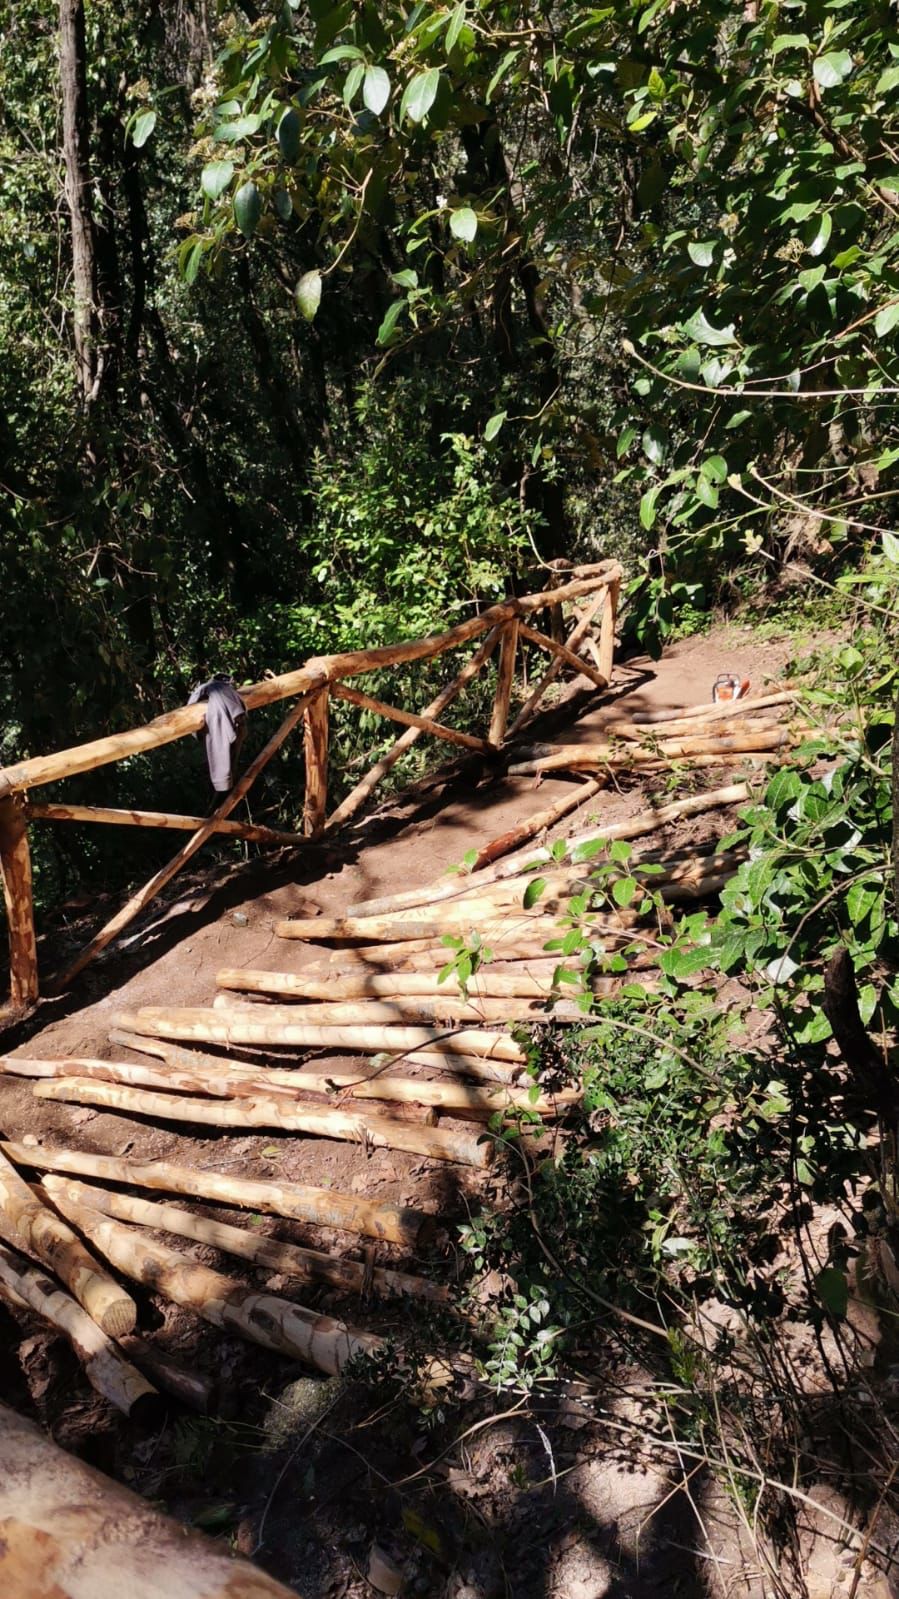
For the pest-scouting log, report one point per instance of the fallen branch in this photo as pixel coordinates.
(325, 1208)
(190, 1388)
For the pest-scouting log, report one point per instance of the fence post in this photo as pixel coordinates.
(607, 629)
(505, 679)
(15, 870)
(315, 749)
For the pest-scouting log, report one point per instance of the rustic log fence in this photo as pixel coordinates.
(505, 626)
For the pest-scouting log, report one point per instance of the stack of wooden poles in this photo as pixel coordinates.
(428, 1044)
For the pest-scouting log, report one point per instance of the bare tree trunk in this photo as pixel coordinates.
(73, 84)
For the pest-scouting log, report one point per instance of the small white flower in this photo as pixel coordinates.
(441, 202)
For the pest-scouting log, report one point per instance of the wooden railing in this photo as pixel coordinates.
(310, 688)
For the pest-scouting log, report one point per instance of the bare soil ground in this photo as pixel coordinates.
(555, 1497)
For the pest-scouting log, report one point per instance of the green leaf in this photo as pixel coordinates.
(247, 209)
(456, 24)
(375, 90)
(654, 445)
(702, 331)
(702, 252)
(888, 80)
(283, 204)
(341, 52)
(707, 493)
(463, 224)
(625, 440)
(648, 506)
(819, 234)
(833, 1290)
(494, 425)
(508, 59)
(386, 330)
(351, 85)
(886, 320)
(533, 891)
(623, 891)
(407, 279)
(831, 68)
(241, 128)
(419, 95)
(789, 41)
(289, 131)
(192, 263)
(143, 127)
(890, 544)
(308, 294)
(215, 177)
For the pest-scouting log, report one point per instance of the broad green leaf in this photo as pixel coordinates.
(831, 69)
(309, 294)
(508, 60)
(707, 493)
(419, 95)
(702, 331)
(833, 1290)
(654, 445)
(375, 90)
(494, 425)
(407, 279)
(887, 81)
(247, 209)
(341, 52)
(533, 891)
(623, 890)
(215, 177)
(353, 80)
(463, 223)
(456, 24)
(289, 131)
(143, 127)
(886, 320)
(386, 330)
(283, 204)
(241, 128)
(702, 252)
(819, 234)
(714, 467)
(192, 263)
(789, 41)
(890, 544)
(648, 506)
(625, 440)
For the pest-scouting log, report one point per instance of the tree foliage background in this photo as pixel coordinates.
(319, 324)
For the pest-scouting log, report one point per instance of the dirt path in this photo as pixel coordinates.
(489, 1531)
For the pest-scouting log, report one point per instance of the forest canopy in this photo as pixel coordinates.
(319, 324)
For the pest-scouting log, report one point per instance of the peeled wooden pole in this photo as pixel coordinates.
(280, 1024)
(138, 901)
(190, 1388)
(424, 724)
(264, 1319)
(29, 1224)
(711, 708)
(71, 1533)
(315, 752)
(309, 1265)
(104, 1367)
(357, 796)
(607, 628)
(457, 1065)
(325, 1208)
(441, 1143)
(566, 656)
(555, 666)
(396, 929)
(505, 680)
(18, 898)
(186, 824)
(431, 1010)
(485, 984)
(231, 1080)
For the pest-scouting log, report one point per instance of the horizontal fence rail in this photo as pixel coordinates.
(503, 627)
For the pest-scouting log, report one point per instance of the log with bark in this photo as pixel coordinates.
(31, 1225)
(266, 1319)
(71, 1533)
(424, 724)
(104, 1367)
(189, 1387)
(573, 643)
(280, 1024)
(395, 1224)
(18, 900)
(276, 1114)
(309, 1265)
